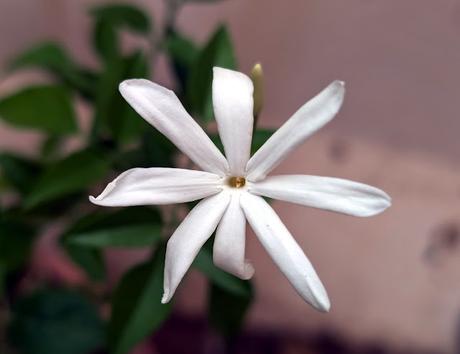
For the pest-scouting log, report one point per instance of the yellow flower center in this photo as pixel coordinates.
(236, 182)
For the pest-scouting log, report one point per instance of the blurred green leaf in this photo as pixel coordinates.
(90, 259)
(50, 146)
(16, 239)
(124, 122)
(113, 113)
(55, 322)
(46, 108)
(109, 19)
(19, 172)
(46, 55)
(227, 310)
(222, 279)
(137, 310)
(105, 41)
(155, 150)
(128, 236)
(72, 174)
(129, 227)
(112, 223)
(121, 15)
(54, 59)
(217, 52)
(182, 53)
(259, 138)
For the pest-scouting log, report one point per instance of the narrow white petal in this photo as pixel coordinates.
(189, 237)
(149, 186)
(230, 241)
(233, 107)
(307, 120)
(334, 194)
(285, 251)
(162, 109)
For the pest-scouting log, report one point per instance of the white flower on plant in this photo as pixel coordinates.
(233, 187)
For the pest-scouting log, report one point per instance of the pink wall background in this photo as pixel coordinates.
(399, 58)
(399, 129)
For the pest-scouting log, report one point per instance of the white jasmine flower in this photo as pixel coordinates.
(233, 187)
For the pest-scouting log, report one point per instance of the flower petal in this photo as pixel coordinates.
(307, 120)
(334, 194)
(162, 109)
(285, 251)
(233, 107)
(230, 241)
(148, 186)
(189, 237)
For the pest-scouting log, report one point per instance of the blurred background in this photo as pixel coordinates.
(394, 279)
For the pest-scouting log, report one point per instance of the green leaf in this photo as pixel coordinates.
(217, 52)
(46, 108)
(113, 113)
(259, 138)
(72, 174)
(55, 322)
(16, 239)
(55, 59)
(137, 310)
(222, 279)
(46, 55)
(111, 18)
(91, 260)
(155, 150)
(119, 15)
(130, 227)
(19, 172)
(50, 146)
(124, 122)
(129, 236)
(107, 228)
(182, 53)
(227, 310)
(105, 41)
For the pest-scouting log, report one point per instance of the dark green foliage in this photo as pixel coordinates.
(217, 52)
(109, 19)
(16, 239)
(45, 108)
(123, 16)
(129, 227)
(183, 54)
(136, 305)
(18, 171)
(227, 310)
(112, 111)
(55, 322)
(72, 174)
(216, 275)
(54, 59)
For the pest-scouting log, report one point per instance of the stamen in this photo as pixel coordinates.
(236, 182)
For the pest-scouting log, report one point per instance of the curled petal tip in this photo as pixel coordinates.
(165, 299)
(93, 199)
(248, 271)
(123, 84)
